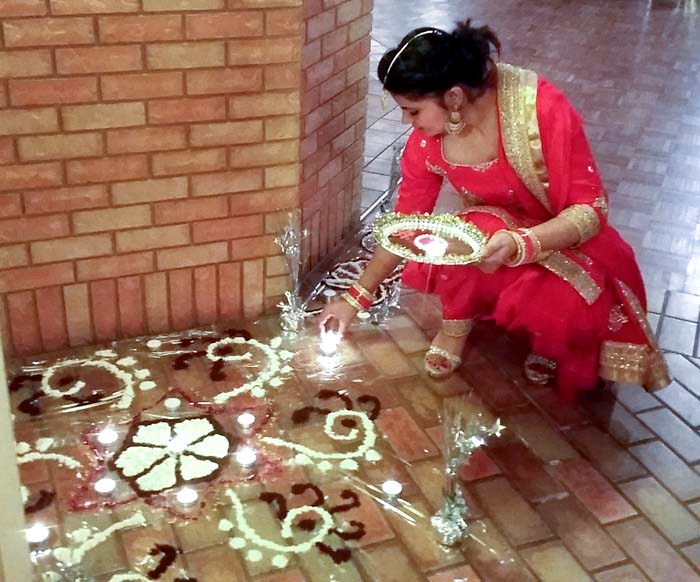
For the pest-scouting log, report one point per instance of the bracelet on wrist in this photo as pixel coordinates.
(359, 297)
(352, 301)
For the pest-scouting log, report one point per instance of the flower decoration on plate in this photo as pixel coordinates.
(421, 234)
(275, 364)
(158, 455)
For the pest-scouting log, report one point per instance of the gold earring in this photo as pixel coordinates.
(455, 125)
(385, 100)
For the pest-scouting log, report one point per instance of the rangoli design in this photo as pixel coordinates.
(158, 455)
(162, 449)
(321, 528)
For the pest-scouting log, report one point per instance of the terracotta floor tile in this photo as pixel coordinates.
(543, 440)
(563, 415)
(386, 358)
(514, 517)
(491, 556)
(674, 520)
(668, 468)
(652, 554)
(458, 574)
(452, 386)
(409, 442)
(674, 432)
(372, 515)
(628, 573)
(138, 542)
(580, 532)
(409, 337)
(267, 526)
(497, 390)
(424, 405)
(288, 576)
(430, 478)
(390, 563)
(107, 557)
(320, 568)
(600, 449)
(418, 538)
(553, 563)
(524, 470)
(479, 466)
(594, 491)
(216, 564)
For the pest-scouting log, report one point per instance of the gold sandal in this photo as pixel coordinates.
(451, 328)
(440, 371)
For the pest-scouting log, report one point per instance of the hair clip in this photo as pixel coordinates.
(403, 48)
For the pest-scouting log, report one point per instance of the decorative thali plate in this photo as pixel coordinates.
(441, 239)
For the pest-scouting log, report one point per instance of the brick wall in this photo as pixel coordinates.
(333, 106)
(147, 147)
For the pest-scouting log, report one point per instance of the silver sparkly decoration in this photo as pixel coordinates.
(462, 437)
(293, 313)
(382, 312)
(290, 240)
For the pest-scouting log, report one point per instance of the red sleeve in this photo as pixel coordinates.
(573, 174)
(419, 188)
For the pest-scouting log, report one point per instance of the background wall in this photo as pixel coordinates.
(334, 104)
(147, 147)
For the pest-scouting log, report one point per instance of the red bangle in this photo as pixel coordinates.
(360, 297)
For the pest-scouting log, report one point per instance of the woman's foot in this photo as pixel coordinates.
(444, 355)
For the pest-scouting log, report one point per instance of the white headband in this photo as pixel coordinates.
(409, 41)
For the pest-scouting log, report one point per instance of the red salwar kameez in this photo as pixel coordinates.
(584, 308)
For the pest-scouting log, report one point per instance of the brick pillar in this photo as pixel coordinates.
(333, 106)
(147, 147)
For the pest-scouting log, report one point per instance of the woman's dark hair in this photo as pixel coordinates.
(429, 61)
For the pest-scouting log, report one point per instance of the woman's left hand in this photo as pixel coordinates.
(498, 250)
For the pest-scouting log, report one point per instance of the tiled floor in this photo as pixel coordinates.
(607, 489)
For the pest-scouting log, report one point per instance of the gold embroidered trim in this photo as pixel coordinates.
(656, 375)
(633, 364)
(582, 257)
(639, 314)
(517, 99)
(584, 218)
(616, 319)
(574, 274)
(434, 169)
(457, 327)
(601, 203)
(498, 213)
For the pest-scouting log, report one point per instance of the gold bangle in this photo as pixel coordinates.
(535, 243)
(364, 292)
(521, 250)
(352, 301)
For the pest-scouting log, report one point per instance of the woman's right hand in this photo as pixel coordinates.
(336, 316)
